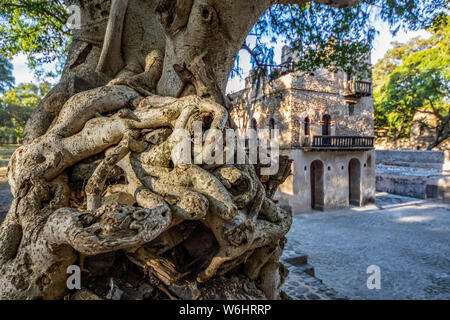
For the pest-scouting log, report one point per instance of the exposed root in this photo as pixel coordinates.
(143, 210)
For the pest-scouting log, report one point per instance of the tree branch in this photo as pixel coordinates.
(255, 57)
(111, 60)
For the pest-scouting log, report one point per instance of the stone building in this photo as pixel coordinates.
(326, 126)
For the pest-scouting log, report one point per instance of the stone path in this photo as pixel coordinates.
(5, 195)
(5, 201)
(408, 238)
(300, 284)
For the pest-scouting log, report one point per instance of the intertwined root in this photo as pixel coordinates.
(111, 227)
(118, 153)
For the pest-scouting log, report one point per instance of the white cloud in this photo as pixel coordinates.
(23, 74)
(383, 41)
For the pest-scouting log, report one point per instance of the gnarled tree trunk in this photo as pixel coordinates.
(94, 183)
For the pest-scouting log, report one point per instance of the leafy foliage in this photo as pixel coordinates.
(36, 29)
(16, 106)
(340, 39)
(413, 77)
(326, 36)
(6, 76)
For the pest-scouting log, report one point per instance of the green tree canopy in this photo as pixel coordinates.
(6, 76)
(36, 29)
(412, 77)
(16, 106)
(326, 36)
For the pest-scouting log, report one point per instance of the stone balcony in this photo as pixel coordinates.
(353, 90)
(321, 143)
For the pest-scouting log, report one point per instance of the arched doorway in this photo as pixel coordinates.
(317, 193)
(326, 121)
(354, 182)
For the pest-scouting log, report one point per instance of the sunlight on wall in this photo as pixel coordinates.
(287, 80)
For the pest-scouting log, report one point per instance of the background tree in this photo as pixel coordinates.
(6, 81)
(37, 29)
(415, 77)
(16, 106)
(6, 76)
(95, 176)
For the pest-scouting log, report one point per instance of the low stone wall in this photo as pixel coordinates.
(419, 174)
(402, 185)
(411, 158)
(384, 143)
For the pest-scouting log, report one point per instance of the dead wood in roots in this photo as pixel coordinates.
(96, 177)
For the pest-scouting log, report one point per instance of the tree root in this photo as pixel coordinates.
(142, 212)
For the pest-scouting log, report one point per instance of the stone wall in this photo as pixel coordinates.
(295, 96)
(420, 174)
(413, 158)
(384, 143)
(422, 135)
(314, 96)
(296, 190)
(262, 104)
(413, 143)
(423, 131)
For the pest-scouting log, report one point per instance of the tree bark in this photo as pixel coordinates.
(95, 174)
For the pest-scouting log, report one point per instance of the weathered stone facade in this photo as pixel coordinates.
(333, 180)
(303, 106)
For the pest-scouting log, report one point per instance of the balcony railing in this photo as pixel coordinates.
(358, 88)
(338, 143)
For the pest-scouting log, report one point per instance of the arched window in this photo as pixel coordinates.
(272, 123)
(253, 124)
(307, 126)
(326, 121)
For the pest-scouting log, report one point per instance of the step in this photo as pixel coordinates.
(297, 261)
(308, 269)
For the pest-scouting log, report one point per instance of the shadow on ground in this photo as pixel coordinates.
(408, 238)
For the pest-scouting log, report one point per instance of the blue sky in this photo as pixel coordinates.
(382, 44)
